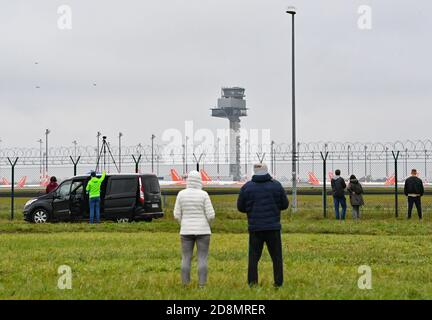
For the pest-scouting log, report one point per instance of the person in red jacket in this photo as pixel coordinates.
(52, 185)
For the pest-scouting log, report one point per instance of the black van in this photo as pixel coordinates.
(124, 198)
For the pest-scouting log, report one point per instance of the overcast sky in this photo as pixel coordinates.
(157, 63)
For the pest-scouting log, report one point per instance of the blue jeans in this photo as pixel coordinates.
(342, 202)
(94, 208)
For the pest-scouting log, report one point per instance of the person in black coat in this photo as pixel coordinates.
(414, 190)
(355, 191)
(338, 187)
(263, 199)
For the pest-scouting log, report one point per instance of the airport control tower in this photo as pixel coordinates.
(232, 106)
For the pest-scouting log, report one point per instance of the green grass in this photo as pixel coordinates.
(142, 260)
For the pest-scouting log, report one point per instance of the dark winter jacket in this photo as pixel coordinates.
(355, 190)
(51, 187)
(338, 186)
(414, 185)
(262, 199)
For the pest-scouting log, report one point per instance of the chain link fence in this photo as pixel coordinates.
(372, 163)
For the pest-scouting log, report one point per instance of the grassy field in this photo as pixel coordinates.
(142, 260)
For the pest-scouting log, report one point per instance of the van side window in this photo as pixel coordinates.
(151, 184)
(77, 188)
(118, 186)
(64, 190)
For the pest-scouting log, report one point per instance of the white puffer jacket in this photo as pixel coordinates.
(193, 208)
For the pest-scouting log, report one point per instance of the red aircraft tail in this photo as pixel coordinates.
(331, 175)
(391, 181)
(5, 182)
(175, 176)
(22, 182)
(313, 180)
(204, 176)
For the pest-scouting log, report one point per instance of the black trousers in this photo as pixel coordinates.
(274, 245)
(417, 202)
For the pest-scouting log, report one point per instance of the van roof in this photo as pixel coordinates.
(118, 175)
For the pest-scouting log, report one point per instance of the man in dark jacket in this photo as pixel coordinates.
(414, 190)
(338, 187)
(263, 199)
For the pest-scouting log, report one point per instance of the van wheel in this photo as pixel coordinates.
(148, 219)
(40, 216)
(123, 220)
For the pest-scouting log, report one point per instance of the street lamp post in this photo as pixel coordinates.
(246, 157)
(184, 159)
(386, 162)
(365, 164)
(272, 157)
(292, 12)
(406, 162)
(217, 158)
(47, 132)
(349, 150)
(120, 151)
(186, 154)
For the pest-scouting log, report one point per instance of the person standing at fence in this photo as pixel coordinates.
(414, 190)
(263, 199)
(94, 189)
(338, 187)
(52, 185)
(355, 191)
(194, 211)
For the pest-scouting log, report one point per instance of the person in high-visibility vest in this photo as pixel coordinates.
(94, 189)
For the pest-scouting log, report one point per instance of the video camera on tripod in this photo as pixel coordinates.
(102, 155)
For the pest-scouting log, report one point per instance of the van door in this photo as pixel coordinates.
(120, 196)
(78, 203)
(152, 194)
(61, 210)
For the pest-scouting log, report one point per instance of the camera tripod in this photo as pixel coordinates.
(103, 155)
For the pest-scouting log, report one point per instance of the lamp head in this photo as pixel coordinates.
(291, 10)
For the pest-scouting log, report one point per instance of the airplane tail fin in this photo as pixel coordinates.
(313, 180)
(21, 183)
(44, 181)
(5, 182)
(390, 181)
(204, 176)
(175, 176)
(331, 175)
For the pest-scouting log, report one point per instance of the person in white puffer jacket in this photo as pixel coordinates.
(194, 211)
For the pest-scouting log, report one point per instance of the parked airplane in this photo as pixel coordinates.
(177, 180)
(313, 180)
(208, 181)
(4, 183)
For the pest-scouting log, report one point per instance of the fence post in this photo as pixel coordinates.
(13, 164)
(75, 164)
(137, 161)
(396, 157)
(324, 158)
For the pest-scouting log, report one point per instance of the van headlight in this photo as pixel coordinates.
(29, 203)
